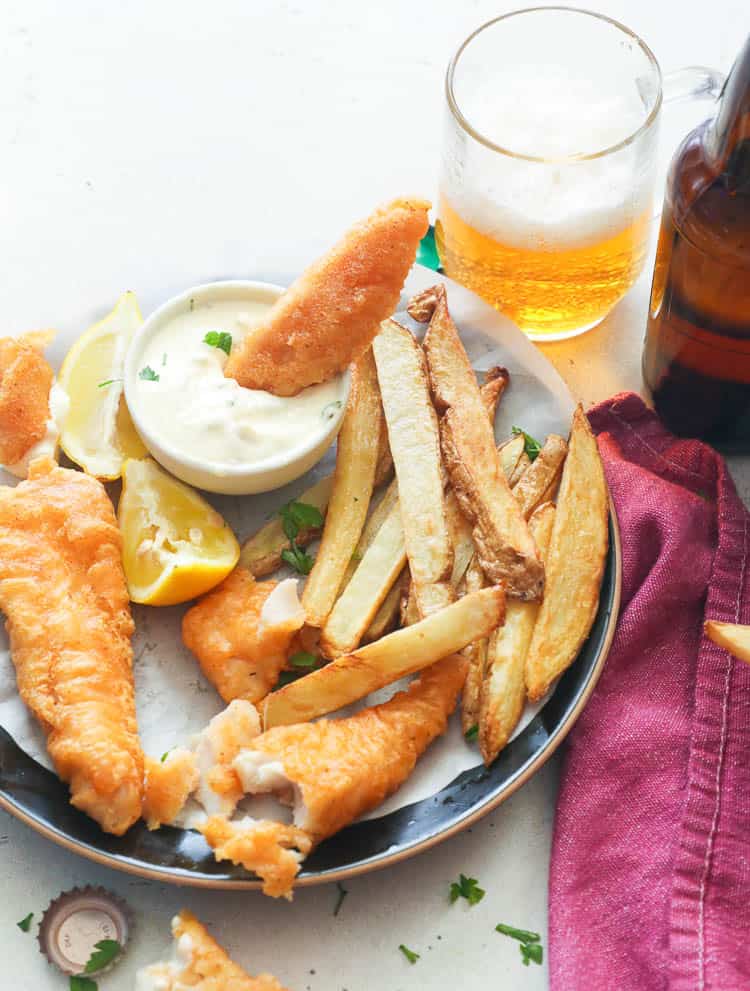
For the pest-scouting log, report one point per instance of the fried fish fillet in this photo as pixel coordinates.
(168, 784)
(63, 591)
(25, 383)
(332, 771)
(199, 963)
(241, 632)
(330, 315)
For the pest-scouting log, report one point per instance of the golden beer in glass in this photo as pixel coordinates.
(548, 166)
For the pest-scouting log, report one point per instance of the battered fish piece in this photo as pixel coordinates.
(328, 318)
(241, 633)
(63, 591)
(168, 785)
(25, 383)
(199, 963)
(332, 771)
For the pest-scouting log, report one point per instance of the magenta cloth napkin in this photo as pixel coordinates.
(650, 874)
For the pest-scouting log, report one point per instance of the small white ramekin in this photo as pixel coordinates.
(228, 479)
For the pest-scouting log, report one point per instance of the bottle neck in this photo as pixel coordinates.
(727, 139)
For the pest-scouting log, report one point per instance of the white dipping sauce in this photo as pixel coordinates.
(183, 394)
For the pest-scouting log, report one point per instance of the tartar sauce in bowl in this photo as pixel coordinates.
(206, 428)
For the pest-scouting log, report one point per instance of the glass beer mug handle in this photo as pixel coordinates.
(695, 82)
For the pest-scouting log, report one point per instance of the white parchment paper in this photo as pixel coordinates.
(173, 698)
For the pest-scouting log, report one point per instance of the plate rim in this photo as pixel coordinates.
(181, 877)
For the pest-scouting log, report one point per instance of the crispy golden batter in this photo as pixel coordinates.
(330, 315)
(337, 769)
(240, 656)
(168, 784)
(25, 383)
(62, 589)
(200, 964)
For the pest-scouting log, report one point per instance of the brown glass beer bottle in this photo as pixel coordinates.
(696, 358)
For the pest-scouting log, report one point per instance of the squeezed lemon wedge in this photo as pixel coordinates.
(98, 433)
(175, 545)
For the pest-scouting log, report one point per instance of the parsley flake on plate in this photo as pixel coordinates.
(531, 951)
(102, 955)
(530, 444)
(298, 559)
(468, 888)
(410, 955)
(25, 924)
(471, 733)
(522, 935)
(79, 983)
(303, 660)
(148, 374)
(107, 382)
(219, 339)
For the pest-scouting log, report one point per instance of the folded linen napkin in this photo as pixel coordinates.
(650, 874)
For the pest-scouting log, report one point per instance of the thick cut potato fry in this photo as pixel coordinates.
(461, 539)
(504, 545)
(541, 474)
(495, 383)
(386, 617)
(415, 447)
(353, 676)
(353, 481)
(409, 611)
(476, 654)
(510, 453)
(523, 463)
(502, 694)
(261, 553)
(382, 563)
(732, 636)
(575, 563)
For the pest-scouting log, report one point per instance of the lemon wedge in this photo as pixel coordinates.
(98, 433)
(175, 546)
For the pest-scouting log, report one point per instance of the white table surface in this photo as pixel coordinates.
(149, 146)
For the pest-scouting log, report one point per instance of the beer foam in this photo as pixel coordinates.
(551, 204)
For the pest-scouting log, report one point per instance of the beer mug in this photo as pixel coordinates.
(549, 159)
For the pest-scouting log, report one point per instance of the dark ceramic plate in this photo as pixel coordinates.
(37, 797)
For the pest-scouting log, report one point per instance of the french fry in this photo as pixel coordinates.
(476, 654)
(261, 553)
(540, 475)
(409, 610)
(373, 523)
(461, 539)
(495, 383)
(510, 453)
(373, 579)
(575, 562)
(355, 675)
(731, 636)
(384, 464)
(415, 448)
(523, 463)
(504, 545)
(387, 615)
(502, 692)
(353, 479)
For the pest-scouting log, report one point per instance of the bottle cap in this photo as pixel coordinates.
(76, 921)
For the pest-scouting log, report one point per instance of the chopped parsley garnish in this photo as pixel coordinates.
(294, 517)
(472, 733)
(530, 444)
(164, 756)
(107, 382)
(82, 984)
(340, 899)
(522, 935)
(468, 888)
(25, 924)
(531, 951)
(219, 339)
(148, 374)
(356, 556)
(103, 954)
(531, 947)
(297, 559)
(410, 955)
(303, 660)
(331, 409)
(286, 678)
